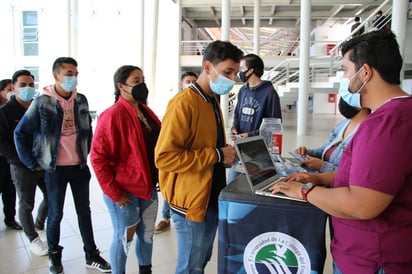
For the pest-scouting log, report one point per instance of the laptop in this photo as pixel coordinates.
(258, 166)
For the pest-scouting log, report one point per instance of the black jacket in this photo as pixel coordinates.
(10, 114)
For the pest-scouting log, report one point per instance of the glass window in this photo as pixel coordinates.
(30, 33)
(35, 72)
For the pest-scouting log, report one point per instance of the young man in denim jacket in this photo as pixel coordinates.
(55, 136)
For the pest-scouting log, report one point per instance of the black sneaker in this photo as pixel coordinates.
(55, 262)
(14, 225)
(95, 261)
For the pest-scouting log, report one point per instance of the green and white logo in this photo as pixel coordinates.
(276, 252)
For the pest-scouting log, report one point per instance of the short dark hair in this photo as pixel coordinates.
(187, 73)
(4, 83)
(58, 63)
(219, 51)
(120, 76)
(255, 62)
(357, 19)
(379, 50)
(19, 73)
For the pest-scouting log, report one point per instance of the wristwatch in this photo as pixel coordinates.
(306, 188)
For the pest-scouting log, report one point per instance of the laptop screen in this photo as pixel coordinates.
(256, 159)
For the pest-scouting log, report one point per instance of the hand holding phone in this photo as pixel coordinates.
(300, 157)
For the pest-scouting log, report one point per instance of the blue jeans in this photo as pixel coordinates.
(141, 213)
(337, 271)
(166, 210)
(232, 173)
(56, 184)
(194, 242)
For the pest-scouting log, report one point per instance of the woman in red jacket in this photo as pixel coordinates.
(123, 159)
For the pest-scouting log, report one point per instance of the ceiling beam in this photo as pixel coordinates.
(242, 14)
(272, 12)
(191, 22)
(214, 13)
(333, 11)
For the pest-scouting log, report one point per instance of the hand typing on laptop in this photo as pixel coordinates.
(292, 185)
(289, 188)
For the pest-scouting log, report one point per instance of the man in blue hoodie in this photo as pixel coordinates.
(257, 99)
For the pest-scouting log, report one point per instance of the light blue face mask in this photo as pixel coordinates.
(69, 83)
(222, 85)
(352, 98)
(26, 94)
(187, 85)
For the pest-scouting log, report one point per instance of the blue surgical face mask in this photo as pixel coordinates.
(26, 94)
(187, 85)
(352, 98)
(69, 83)
(222, 85)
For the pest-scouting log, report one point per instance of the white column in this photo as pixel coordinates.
(399, 21)
(68, 18)
(141, 34)
(224, 99)
(73, 28)
(155, 23)
(225, 20)
(256, 27)
(302, 106)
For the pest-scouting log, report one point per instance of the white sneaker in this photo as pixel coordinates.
(43, 236)
(38, 247)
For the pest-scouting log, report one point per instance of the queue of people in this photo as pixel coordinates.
(364, 180)
(46, 141)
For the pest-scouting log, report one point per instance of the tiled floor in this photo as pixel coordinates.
(15, 256)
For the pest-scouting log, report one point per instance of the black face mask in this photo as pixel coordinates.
(243, 77)
(347, 110)
(140, 92)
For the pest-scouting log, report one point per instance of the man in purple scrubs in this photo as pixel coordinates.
(370, 195)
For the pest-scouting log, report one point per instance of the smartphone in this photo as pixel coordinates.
(236, 136)
(298, 156)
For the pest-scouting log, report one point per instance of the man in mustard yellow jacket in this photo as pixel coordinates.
(191, 155)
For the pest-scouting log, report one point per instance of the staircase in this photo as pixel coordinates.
(323, 78)
(325, 71)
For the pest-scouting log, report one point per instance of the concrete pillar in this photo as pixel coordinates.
(399, 22)
(256, 27)
(153, 51)
(305, 27)
(141, 33)
(224, 99)
(74, 7)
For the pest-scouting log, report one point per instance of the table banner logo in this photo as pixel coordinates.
(276, 252)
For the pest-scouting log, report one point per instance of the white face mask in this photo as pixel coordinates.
(9, 94)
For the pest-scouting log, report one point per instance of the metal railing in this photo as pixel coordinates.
(334, 52)
(267, 48)
(285, 72)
